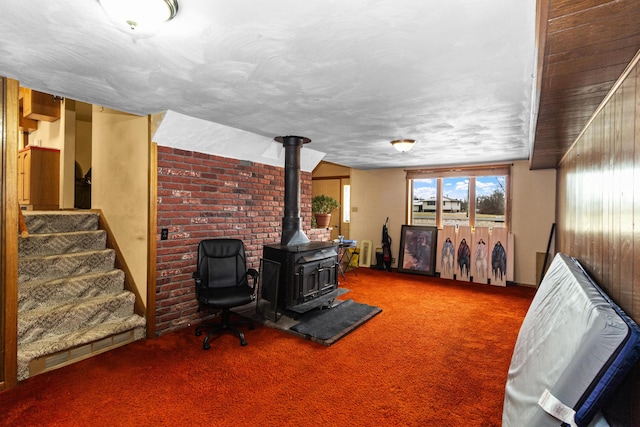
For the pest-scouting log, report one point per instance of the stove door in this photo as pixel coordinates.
(314, 279)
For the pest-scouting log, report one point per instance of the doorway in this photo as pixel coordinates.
(61, 141)
(335, 187)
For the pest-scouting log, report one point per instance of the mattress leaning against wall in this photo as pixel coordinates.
(574, 348)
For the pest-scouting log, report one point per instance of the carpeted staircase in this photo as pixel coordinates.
(71, 301)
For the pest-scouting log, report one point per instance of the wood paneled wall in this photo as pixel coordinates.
(9, 109)
(598, 203)
(584, 46)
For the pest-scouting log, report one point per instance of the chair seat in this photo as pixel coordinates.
(226, 297)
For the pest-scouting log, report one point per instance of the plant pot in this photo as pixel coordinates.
(323, 220)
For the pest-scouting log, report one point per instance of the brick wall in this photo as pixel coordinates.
(201, 196)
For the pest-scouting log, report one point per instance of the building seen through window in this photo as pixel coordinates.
(479, 201)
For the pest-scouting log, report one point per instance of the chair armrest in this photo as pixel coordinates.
(254, 274)
(198, 281)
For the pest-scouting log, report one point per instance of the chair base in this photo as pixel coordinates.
(225, 326)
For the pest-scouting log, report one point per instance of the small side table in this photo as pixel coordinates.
(345, 257)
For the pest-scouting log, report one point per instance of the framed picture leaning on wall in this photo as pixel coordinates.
(418, 249)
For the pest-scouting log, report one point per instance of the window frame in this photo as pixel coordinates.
(460, 172)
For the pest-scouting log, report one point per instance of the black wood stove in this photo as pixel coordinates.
(307, 271)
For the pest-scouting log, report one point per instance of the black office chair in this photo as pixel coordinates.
(222, 282)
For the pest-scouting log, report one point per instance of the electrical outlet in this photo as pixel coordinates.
(164, 234)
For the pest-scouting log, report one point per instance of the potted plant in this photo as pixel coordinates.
(321, 207)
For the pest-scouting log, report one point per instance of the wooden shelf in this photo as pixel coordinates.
(39, 178)
(39, 106)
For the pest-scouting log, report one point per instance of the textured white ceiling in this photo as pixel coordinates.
(455, 75)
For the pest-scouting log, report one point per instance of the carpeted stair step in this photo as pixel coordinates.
(47, 322)
(71, 301)
(36, 294)
(59, 243)
(94, 334)
(59, 266)
(46, 222)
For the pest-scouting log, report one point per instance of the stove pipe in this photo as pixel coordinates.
(292, 233)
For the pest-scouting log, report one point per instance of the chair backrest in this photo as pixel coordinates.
(222, 263)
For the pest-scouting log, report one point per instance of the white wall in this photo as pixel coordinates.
(533, 214)
(379, 193)
(120, 183)
(376, 195)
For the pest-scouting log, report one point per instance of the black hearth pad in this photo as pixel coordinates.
(329, 325)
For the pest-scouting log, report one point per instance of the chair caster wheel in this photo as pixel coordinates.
(251, 326)
(243, 343)
(198, 333)
(206, 346)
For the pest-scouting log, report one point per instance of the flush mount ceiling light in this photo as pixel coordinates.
(403, 145)
(140, 16)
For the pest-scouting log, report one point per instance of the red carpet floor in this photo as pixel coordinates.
(437, 355)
